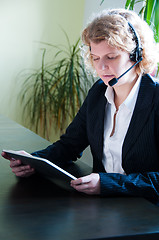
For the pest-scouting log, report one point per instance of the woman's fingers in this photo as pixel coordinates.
(89, 184)
(17, 167)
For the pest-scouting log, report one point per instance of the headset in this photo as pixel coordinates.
(137, 53)
(135, 56)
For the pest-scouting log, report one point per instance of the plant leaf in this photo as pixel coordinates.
(127, 4)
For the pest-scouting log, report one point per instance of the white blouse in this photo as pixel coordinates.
(112, 149)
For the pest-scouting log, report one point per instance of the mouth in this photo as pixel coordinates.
(107, 76)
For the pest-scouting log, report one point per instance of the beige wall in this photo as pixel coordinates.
(23, 24)
(93, 6)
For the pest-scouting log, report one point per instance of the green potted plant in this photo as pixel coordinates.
(149, 12)
(52, 95)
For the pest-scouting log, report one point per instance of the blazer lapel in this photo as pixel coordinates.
(141, 113)
(96, 119)
(100, 131)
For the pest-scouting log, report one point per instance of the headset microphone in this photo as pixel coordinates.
(113, 81)
(135, 56)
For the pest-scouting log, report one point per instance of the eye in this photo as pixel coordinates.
(111, 57)
(95, 59)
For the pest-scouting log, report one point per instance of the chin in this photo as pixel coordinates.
(105, 82)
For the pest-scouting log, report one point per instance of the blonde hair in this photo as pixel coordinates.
(112, 26)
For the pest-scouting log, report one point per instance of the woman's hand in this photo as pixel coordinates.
(17, 167)
(89, 184)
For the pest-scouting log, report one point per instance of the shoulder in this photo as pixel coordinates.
(156, 97)
(95, 96)
(151, 80)
(147, 92)
(153, 84)
(149, 85)
(98, 88)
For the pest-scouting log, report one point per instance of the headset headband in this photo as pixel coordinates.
(137, 54)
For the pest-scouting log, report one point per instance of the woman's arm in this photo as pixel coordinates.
(136, 184)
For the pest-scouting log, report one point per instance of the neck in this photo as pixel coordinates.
(121, 92)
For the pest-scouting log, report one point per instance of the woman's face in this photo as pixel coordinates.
(110, 62)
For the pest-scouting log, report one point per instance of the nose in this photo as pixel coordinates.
(102, 65)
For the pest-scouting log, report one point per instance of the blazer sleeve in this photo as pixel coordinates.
(135, 184)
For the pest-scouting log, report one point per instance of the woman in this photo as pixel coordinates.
(119, 118)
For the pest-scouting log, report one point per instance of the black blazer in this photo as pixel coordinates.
(140, 153)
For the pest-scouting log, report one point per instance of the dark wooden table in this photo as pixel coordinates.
(36, 209)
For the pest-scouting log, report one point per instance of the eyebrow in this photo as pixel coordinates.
(92, 54)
